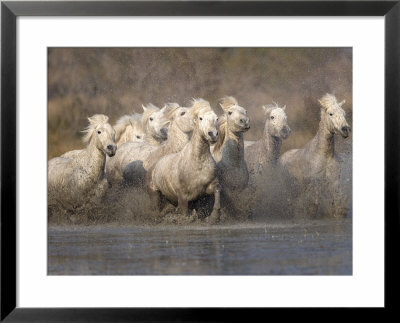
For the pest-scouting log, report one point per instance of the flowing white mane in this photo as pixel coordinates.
(272, 105)
(222, 129)
(128, 119)
(122, 123)
(200, 106)
(329, 101)
(170, 110)
(94, 122)
(227, 102)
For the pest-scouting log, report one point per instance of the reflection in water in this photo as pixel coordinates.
(290, 248)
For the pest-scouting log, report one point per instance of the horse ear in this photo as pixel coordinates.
(93, 120)
(227, 102)
(267, 110)
(321, 103)
(341, 103)
(167, 108)
(284, 107)
(224, 107)
(144, 108)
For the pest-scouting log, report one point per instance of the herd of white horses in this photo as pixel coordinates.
(179, 155)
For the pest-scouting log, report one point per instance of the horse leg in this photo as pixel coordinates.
(100, 191)
(155, 200)
(183, 205)
(168, 208)
(215, 214)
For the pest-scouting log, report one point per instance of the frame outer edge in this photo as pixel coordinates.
(8, 161)
(8, 154)
(202, 8)
(392, 149)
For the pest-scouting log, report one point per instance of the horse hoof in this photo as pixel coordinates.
(194, 215)
(213, 218)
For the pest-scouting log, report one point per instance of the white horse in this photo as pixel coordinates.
(267, 197)
(181, 126)
(128, 128)
(155, 125)
(228, 153)
(75, 183)
(266, 151)
(316, 167)
(185, 176)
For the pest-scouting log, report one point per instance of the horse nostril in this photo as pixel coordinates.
(241, 120)
(210, 133)
(110, 147)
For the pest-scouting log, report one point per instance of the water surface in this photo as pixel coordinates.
(322, 247)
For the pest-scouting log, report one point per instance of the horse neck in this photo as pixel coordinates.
(232, 146)
(94, 160)
(177, 139)
(200, 147)
(122, 138)
(324, 141)
(152, 141)
(270, 147)
(120, 132)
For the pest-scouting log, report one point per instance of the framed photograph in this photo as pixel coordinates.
(195, 156)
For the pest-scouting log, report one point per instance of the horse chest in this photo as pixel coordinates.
(332, 169)
(198, 177)
(315, 167)
(85, 180)
(233, 177)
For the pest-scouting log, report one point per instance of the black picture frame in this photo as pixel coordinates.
(10, 10)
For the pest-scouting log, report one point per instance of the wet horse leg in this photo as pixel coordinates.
(155, 200)
(215, 214)
(183, 205)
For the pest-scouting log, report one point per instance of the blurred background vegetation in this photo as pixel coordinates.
(117, 81)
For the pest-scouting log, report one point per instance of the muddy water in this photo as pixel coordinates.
(290, 248)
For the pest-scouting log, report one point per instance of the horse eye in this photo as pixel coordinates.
(230, 112)
(99, 132)
(151, 119)
(201, 118)
(183, 113)
(331, 114)
(272, 117)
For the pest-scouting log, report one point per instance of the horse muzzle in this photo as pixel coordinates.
(111, 150)
(164, 132)
(212, 136)
(345, 131)
(285, 132)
